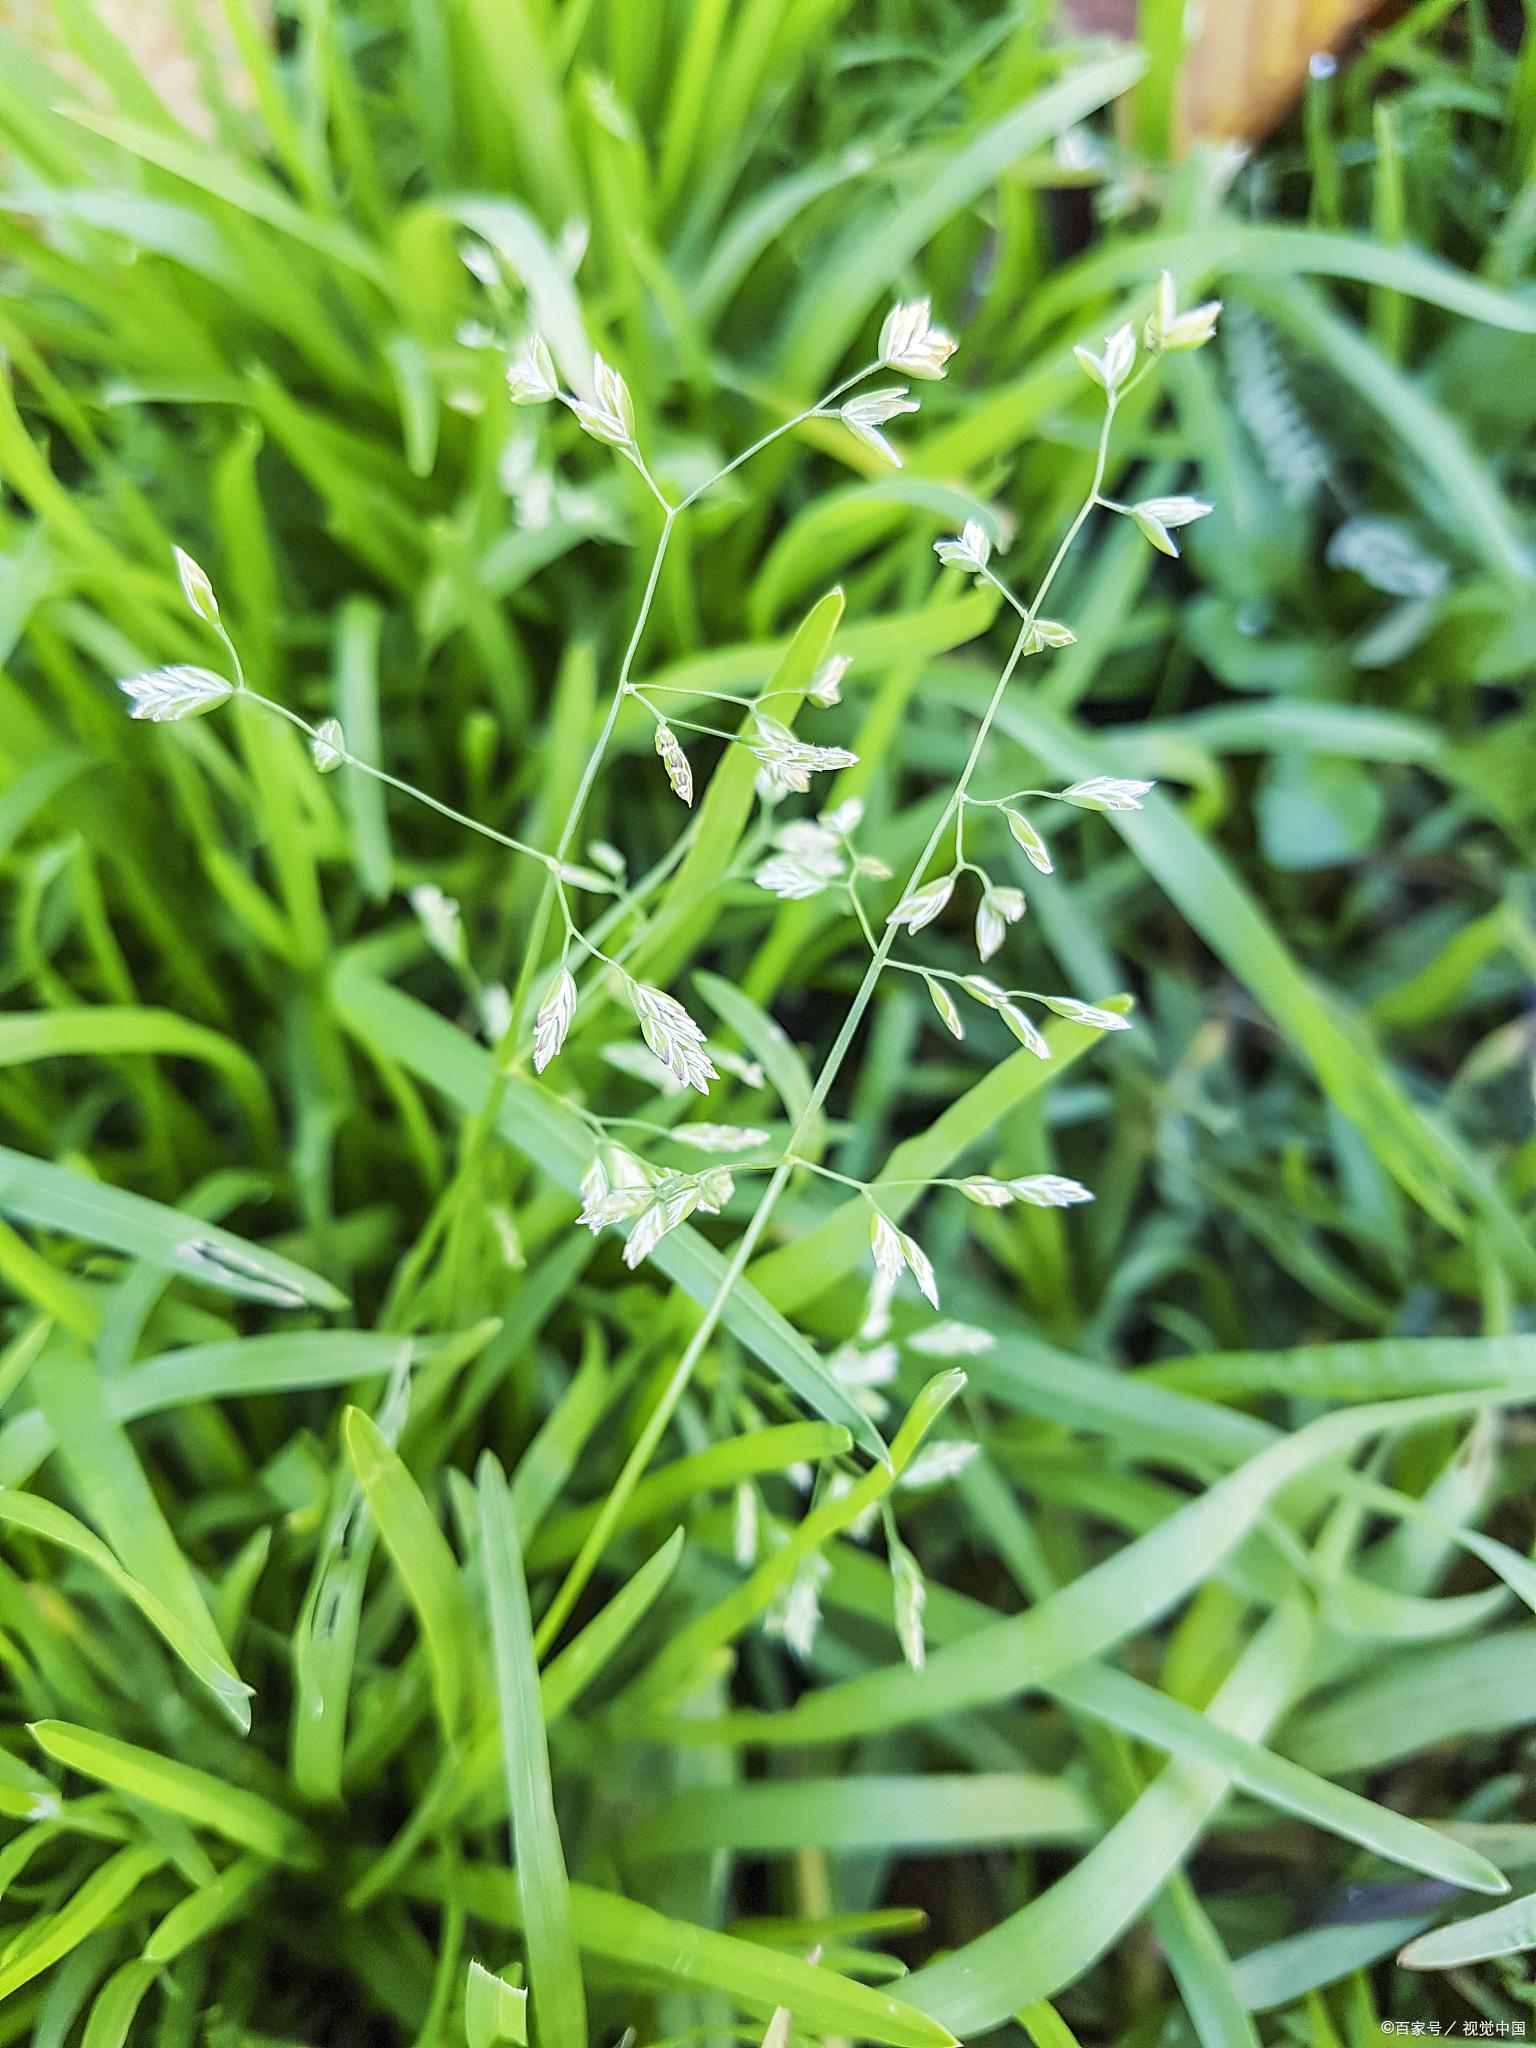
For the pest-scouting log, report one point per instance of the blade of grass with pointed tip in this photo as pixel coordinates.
(554, 1971)
(1092, 1613)
(116, 2005)
(107, 1479)
(1506, 1931)
(1282, 1971)
(624, 1932)
(1140, 1710)
(567, 1676)
(51, 1197)
(55, 1935)
(687, 1479)
(421, 1554)
(194, 1795)
(54, 1525)
(194, 1918)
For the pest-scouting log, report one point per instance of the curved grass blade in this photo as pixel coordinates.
(623, 1932)
(116, 2005)
(54, 1198)
(421, 1554)
(1140, 1710)
(687, 1479)
(112, 1030)
(107, 1479)
(54, 1525)
(1050, 1942)
(55, 1935)
(1108, 1603)
(194, 1795)
(1507, 1931)
(567, 1676)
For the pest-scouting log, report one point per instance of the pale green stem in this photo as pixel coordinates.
(409, 789)
(777, 434)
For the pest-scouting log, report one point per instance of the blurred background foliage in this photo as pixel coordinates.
(237, 317)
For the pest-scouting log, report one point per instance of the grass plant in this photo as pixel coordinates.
(996, 891)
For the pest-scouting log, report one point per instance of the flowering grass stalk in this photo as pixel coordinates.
(619, 1188)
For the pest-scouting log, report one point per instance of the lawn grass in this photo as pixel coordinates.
(407, 1601)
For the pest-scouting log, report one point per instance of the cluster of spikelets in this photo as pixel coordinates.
(807, 856)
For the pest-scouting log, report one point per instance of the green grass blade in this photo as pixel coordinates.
(1150, 1716)
(193, 1795)
(1507, 1931)
(423, 1558)
(56, 1935)
(849, 1815)
(55, 1198)
(554, 1972)
(42, 1518)
(110, 1485)
(1034, 1952)
(567, 1676)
